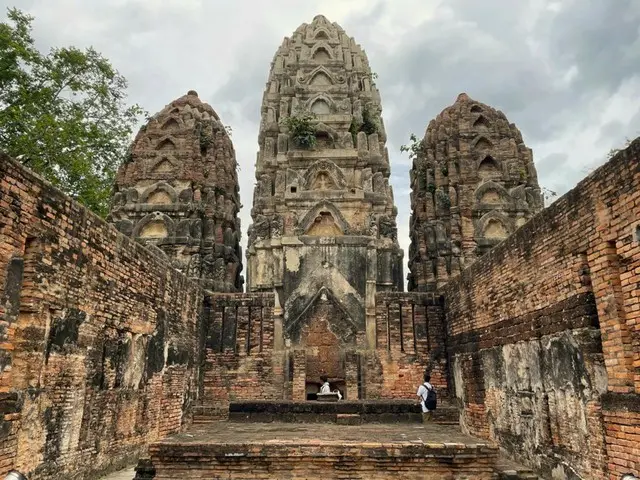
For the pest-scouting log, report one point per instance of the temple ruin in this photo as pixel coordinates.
(178, 193)
(131, 341)
(473, 184)
(324, 236)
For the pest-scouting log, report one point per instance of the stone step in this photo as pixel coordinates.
(348, 419)
(368, 411)
(507, 469)
(281, 450)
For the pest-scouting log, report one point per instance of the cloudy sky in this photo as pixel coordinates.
(567, 72)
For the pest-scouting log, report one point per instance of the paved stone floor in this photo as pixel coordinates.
(127, 474)
(322, 433)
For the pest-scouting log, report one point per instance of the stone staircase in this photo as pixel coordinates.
(372, 439)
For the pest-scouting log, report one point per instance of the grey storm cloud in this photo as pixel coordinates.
(566, 72)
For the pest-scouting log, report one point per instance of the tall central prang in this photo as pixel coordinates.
(324, 235)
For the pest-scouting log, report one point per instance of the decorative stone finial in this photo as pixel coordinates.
(463, 96)
(192, 93)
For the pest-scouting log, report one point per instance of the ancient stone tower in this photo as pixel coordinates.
(473, 183)
(178, 191)
(324, 231)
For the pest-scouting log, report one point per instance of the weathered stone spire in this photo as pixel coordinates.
(178, 191)
(323, 212)
(473, 183)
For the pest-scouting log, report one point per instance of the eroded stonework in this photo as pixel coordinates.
(324, 234)
(473, 184)
(179, 192)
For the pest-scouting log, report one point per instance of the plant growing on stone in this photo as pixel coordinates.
(370, 119)
(205, 135)
(548, 194)
(443, 199)
(370, 123)
(415, 148)
(302, 128)
(63, 114)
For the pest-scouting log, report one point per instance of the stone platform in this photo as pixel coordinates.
(296, 451)
(343, 412)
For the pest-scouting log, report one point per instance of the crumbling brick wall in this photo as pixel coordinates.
(548, 321)
(410, 339)
(240, 362)
(98, 336)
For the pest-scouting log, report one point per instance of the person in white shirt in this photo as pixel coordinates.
(423, 390)
(326, 388)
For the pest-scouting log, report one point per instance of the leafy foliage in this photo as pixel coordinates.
(415, 148)
(370, 122)
(63, 114)
(614, 151)
(302, 128)
(548, 194)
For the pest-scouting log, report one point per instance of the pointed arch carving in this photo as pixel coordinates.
(322, 47)
(321, 96)
(476, 109)
(328, 279)
(164, 165)
(159, 188)
(321, 33)
(493, 225)
(156, 225)
(486, 188)
(323, 207)
(345, 328)
(172, 123)
(482, 123)
(481, 142)
(489, 167)
(166, 143)
(320, 107)
(335, 173)
(322, 77)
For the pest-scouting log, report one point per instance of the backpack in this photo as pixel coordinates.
(432, 399)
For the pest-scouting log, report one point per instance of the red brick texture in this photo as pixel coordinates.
(370, 460)
(240, 363)
(410, 339)
(98, 336)
(548, 321)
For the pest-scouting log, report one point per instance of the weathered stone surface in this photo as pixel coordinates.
(98, 337)
(178, 191)
(473, 184)
(543, 332)
(300, 452)
(324, 234)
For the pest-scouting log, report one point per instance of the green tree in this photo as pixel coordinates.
(63, 114)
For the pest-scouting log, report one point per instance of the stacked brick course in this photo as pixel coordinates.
(370, 461)
(410, 339)
(98, 336)
(241, 362)
(547, 322)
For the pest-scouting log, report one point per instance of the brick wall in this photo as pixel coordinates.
(410, 339)
(240, 362)
(302, 459)
(548, 321)
(98, 336)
